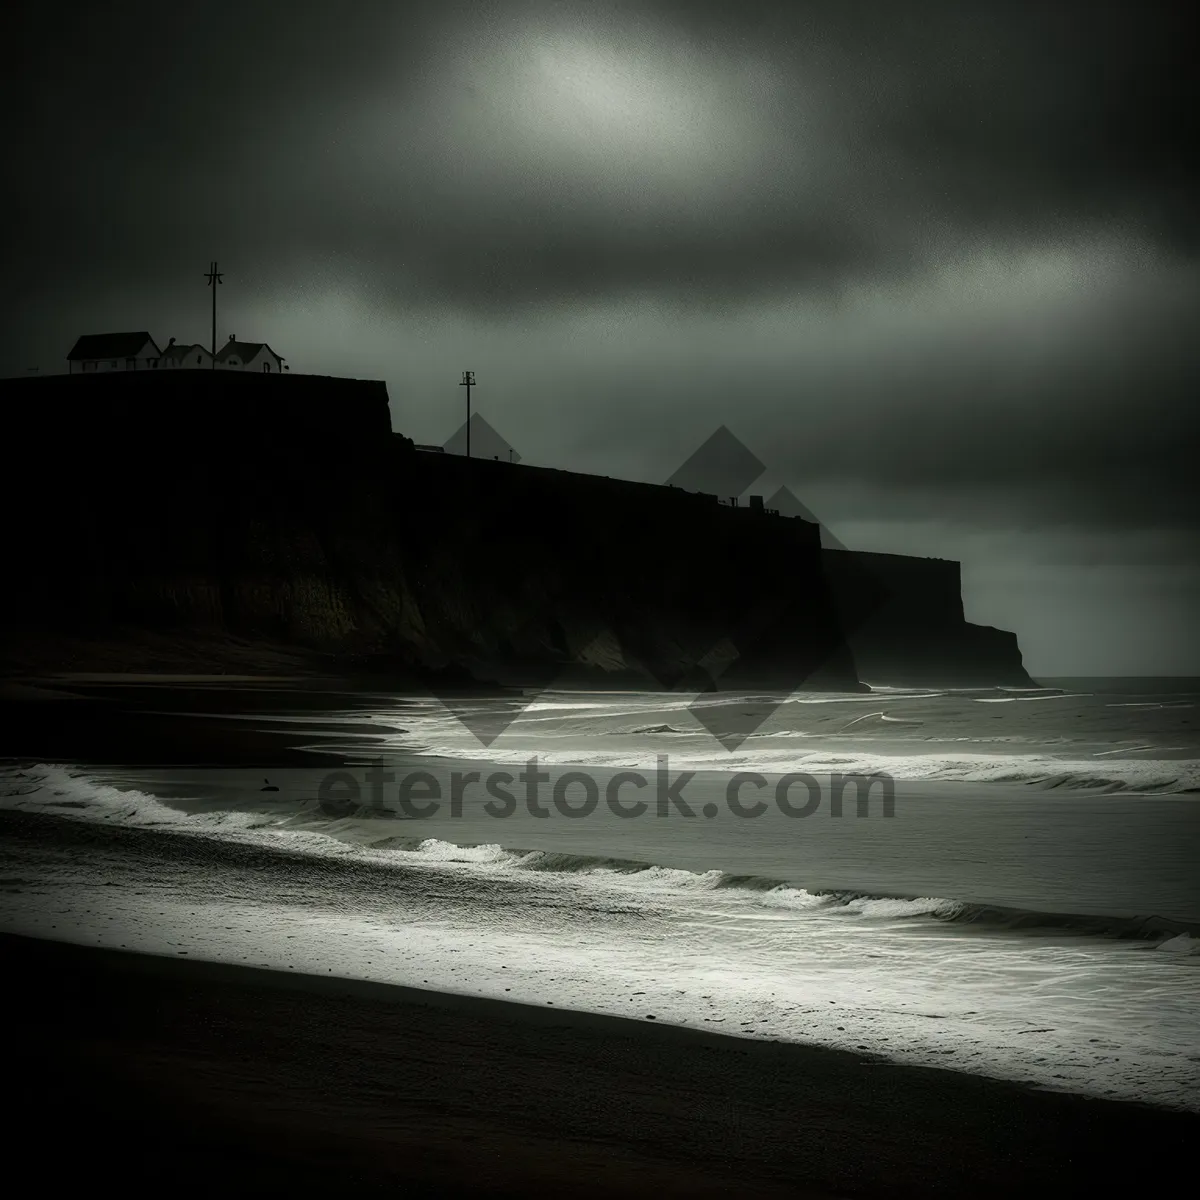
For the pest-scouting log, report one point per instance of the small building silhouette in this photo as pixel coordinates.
(248, 356)
(97, 352)
(113, 352)
(194, 356)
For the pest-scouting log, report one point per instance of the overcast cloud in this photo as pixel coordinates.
(934, 262)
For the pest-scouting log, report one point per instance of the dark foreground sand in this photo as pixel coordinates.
(137, 1074)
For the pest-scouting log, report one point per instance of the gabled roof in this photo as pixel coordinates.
(243, 350)
(110, 345)
(175, 350)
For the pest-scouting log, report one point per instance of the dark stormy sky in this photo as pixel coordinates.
(934, 262)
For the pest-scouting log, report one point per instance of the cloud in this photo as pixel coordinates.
(934, 262)
(526, 154)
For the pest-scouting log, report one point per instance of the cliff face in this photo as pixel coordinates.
(906, 625)
(283, 510)
(523, 565)
(192, 501)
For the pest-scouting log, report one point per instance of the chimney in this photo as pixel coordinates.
(232, 338)
(171, 342)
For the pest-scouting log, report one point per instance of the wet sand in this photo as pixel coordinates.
(178, 1075)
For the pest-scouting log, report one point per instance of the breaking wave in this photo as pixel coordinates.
(1150, 775)
(60, 793)
(776, 894)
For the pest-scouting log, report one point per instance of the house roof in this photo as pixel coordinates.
(243, 350)
(175, 350)
(110, 345)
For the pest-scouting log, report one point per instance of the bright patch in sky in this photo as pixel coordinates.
(585, 91)
(578, 119)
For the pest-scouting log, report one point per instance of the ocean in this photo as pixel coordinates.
(1010, 888)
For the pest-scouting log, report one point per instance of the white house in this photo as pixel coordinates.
(249, 356)
(113, 352)
(194, 356)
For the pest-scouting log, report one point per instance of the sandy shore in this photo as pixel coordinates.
(211, 1076)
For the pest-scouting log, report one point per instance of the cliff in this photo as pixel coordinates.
(204, 509)
(192, 517)
(906, 626)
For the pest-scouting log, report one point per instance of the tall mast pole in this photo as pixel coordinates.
(214, 277)
(468, 381)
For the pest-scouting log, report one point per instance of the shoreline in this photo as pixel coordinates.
(564, 940)
(106, 716)
(274, 1076)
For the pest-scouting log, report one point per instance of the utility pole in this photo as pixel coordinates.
(214, 277)
(468, 381)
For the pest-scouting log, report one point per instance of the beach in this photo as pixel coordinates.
(243, 1079)
(213, 971)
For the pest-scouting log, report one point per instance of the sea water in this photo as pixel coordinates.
(1029, 910)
